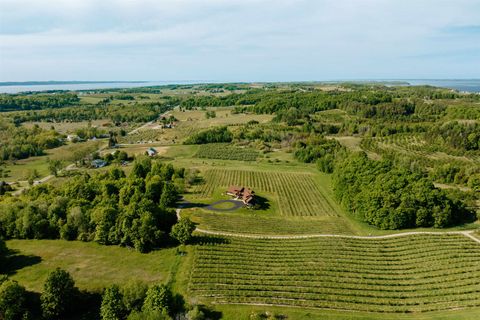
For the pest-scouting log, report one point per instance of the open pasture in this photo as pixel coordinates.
(415, 273)
(93, 266)
(70, 127)
(297, 193)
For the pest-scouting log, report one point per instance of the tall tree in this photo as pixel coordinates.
(58, 294)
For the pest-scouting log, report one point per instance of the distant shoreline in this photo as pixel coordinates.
(48, 83)
(15, 87)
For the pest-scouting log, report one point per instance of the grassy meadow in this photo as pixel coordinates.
(93, 266)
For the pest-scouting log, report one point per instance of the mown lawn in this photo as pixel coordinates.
(239, 312)
(93, 266)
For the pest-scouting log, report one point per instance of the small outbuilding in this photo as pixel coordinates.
(151, 152)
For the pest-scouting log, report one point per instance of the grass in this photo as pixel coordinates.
(93, 266)
(21, 169)
(242, 312)
(192, 121)
(411, 274)
(69, 127)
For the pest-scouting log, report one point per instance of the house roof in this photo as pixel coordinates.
(234, 189)
(247, 192)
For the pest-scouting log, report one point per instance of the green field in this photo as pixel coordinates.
(93, 266)
(297, 193)
(420, 273)
(261, 224)
(226, 152)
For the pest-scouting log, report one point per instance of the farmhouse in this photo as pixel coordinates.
(242, 193)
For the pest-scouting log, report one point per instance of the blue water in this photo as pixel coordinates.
(90, 86)
(467, 85)
(460, 85)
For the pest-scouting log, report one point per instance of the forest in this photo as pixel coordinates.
(109, 208)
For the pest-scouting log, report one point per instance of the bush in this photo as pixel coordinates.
(182, 231)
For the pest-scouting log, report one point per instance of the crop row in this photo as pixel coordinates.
(297, 193)
(226, 152)
(425, 273)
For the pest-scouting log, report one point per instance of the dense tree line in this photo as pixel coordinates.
(137, 112)
(391, 197)
(319, 150)
(21, 142)
(16, 102)
(109, 207)
(61, 299)
(214, 135)
(455, 135)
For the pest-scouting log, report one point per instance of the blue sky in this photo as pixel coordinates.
(238, 40)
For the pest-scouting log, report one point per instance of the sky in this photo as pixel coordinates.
(238, 40)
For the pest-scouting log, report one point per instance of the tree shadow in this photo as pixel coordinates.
(16, 261)
(208, 240)
(189, 205)
(211, 314)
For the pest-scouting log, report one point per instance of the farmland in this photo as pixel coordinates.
(419, 273)
(343, 178)
(226, 152)
(291, 189)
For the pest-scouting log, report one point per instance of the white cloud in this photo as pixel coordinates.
(254, 39)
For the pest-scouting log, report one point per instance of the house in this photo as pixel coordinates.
(151, 152)
(247, 196)
(235, 191)
(99, 163)
(242, 193)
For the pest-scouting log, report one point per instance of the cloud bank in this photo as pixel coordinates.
(238, 40)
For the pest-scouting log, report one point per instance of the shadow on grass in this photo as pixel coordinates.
(188, 205)
(261, 203)
(16, 261)
(208, 240)
(211, 314)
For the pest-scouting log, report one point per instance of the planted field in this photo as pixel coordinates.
(226, 152)
(416, 273)
(256, 224)
(414, 146)
(297, 193)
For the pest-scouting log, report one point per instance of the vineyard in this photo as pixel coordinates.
(413, 146)
(226, 152)
(256, 224)
(416, 273)
(297, 193)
